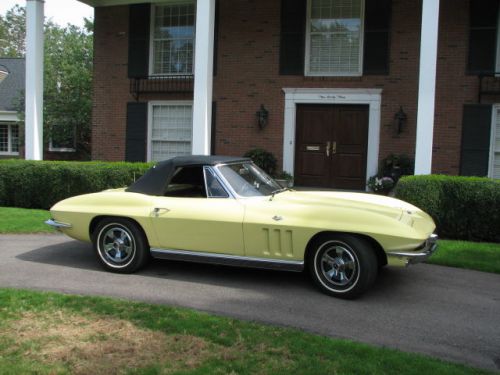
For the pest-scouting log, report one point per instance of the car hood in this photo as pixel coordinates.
(365, 202)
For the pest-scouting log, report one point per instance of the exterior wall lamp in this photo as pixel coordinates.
(400, 119)
(262, 116)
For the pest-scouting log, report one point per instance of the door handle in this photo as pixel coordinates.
(328, 149)
(334, 148)
(157, 210)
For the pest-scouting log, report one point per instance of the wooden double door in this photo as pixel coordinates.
(331, 146)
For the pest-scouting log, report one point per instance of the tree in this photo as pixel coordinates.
(68, 85)
(13, 32)
(68, 56)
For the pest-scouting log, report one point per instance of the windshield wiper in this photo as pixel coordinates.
(278, 191)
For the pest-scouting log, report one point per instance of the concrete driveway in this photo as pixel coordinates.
(444, 312)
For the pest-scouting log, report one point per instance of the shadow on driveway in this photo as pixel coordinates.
(75, 254)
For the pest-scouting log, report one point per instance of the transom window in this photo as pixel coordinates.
(334, 37)
(171, 130)
(173, 32)
(9, 139)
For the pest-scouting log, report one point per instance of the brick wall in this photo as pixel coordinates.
(111, 86)
(248, 63)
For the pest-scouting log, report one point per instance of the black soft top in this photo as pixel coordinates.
(156, 179)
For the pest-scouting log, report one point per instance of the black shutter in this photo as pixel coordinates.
(135, 139)
(482, 36)
(292, 43)
(138, 43)
(476, 127)
(214, 129)
(377, 36)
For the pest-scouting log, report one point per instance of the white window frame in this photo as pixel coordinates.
(307, 71)
(491, 162)
(64, 149)
(152, 32)
(9, 151)
(150, 120)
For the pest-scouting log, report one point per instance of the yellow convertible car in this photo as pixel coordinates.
(225, 210)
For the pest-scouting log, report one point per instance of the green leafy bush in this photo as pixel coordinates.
(264, 159)
(466, 208)
(40, 184)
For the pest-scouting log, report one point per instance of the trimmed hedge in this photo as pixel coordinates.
(40, 184)
(465, 208)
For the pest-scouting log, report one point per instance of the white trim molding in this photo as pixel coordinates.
(427, 86)
(370, 97)
(9, 116)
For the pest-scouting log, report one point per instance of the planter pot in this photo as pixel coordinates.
(383, 192)
(285, 183)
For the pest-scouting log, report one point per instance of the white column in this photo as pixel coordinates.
(203, 76)
(34, 79)
(427, 86)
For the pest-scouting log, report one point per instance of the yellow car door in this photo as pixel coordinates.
(191, 219)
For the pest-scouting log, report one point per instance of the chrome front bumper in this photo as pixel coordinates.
(405, 258)
(57, 224)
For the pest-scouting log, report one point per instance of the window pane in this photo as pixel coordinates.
(173, 39)
(335, 33)
(172, 131)
(4, 138)
(14, 133)
(63, 137)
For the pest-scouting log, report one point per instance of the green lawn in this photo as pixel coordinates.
(20, 220)
(48, 333)
(479, 256)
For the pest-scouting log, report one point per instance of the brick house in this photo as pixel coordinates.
(345, 83)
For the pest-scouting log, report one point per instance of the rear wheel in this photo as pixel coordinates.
(342, 265)
(120, 245)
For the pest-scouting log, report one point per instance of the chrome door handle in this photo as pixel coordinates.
(157, 210)
(328, 149)
(334, 148)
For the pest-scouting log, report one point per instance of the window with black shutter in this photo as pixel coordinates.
(136, 135)
(307, 46)
(476, 132)
(483, 44)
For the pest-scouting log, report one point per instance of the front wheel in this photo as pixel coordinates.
(342, 265)
(120, 245)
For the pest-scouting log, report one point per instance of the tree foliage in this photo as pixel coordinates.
(68, 56)
(13, 32)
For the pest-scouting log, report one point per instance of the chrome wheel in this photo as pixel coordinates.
(338, 264)
(342, 265)
(116, 245)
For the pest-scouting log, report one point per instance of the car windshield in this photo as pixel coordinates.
(248, 180)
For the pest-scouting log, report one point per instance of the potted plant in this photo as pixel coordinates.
(380, 185)
(285, 179)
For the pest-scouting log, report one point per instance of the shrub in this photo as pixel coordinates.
(466, 208)
(40, 184)
(264, 159)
